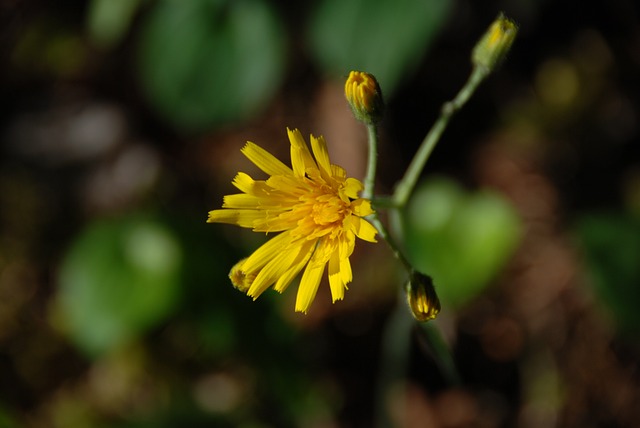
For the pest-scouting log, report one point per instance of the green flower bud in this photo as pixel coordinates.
(364, 96)
(422, 298)
(492, 48)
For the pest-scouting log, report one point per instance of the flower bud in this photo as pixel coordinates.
(422, 298)
(492, 48)
(240, 279)
(364, 96)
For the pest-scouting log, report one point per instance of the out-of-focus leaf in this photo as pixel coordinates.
(48, 48)
(611, 245)
(109, 20)
(119, 278)
(205, 62)
(183, 415)
(221, 316)
(460, 239)
(5, 420)
(386, 38)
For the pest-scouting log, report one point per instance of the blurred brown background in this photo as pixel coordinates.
(121, 126)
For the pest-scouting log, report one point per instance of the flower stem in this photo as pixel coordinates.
(390, 242)
(385, 201)
(370, 178)
(440, 352)
(406, 185)
(367, 193)
(394, 361)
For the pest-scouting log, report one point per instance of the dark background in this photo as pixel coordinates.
(116, 139)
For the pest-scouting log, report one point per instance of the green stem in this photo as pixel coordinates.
(367, 193)
(441, 353)
(370, 178)
(406, 185)
(390, 242)
(394, 359)
(383, 202)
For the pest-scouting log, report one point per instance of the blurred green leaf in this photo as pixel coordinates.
(611, 245)
(206, 62)
(181, 416)
(387, 38)
(109, 20)
(6, 421)
(221, 316)
(119, 278)
(460, 239)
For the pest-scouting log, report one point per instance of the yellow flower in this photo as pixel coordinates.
(316, 209)
(364, 96)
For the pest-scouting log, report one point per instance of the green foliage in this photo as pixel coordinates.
(180, 417)
(462, 240)
(119, 278)
(6, 421)
(221, 322)
(206, 62)
(611, 246)
(109, 20)
(386, 38)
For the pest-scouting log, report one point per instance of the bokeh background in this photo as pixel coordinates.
(121, 126)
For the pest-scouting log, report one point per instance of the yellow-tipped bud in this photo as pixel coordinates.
(364, 96)
(492, 48)
(239, 278)
(422, 298)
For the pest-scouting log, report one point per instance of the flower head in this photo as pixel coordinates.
(495, 43)
(364, 96)
(316, 209)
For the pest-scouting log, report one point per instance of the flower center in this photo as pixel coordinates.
(328, 209)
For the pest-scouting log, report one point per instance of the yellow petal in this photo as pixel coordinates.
(250, 186)
(264, 160)
(275, 269)
(323, 251)
(267, 252)
(305, 253)
(321, 153)
(336, 282)
(243, 182)
(363, 229)
(362, 207)
(298, 162)
(338, 173)
(287, 185)
(301, 159)
(240, 217)
(352, 186)
(241, 200)
(273, 224)
(345, 271)
(346, 244)
(309, 285)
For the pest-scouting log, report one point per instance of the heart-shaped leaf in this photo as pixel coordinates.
(611, 246)
(119, 278)
(205, 62)
(387, 38)
(460, 239)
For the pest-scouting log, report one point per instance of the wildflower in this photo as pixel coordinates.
(422, 298)
(495, 43)
(316, 209)
(364, 96)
